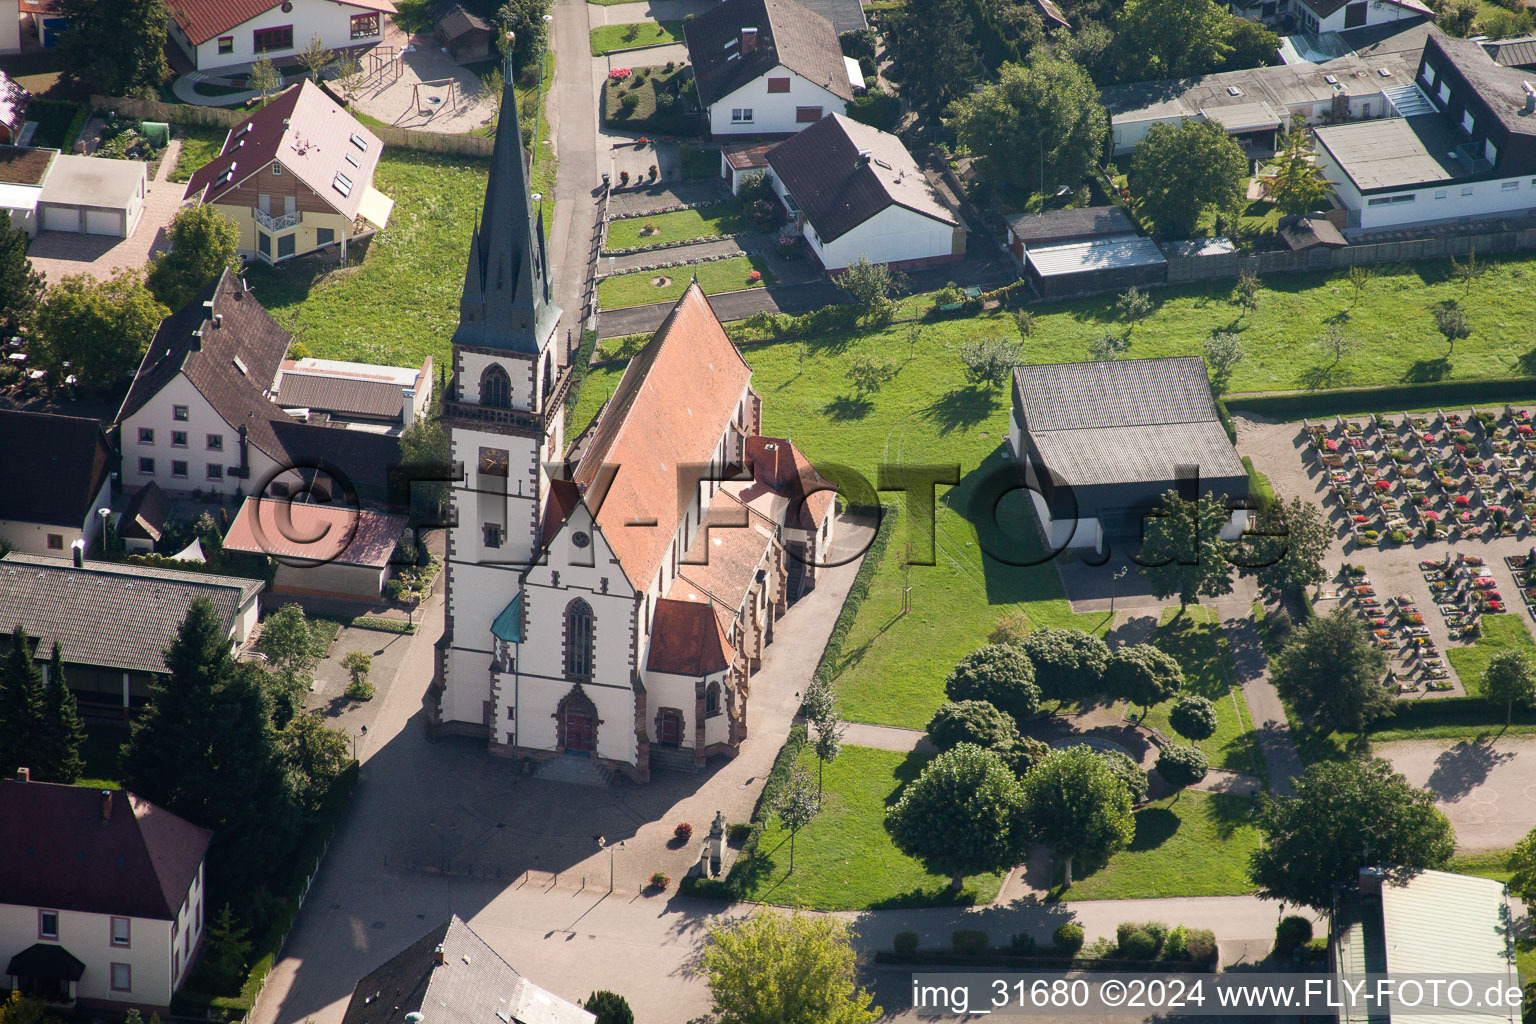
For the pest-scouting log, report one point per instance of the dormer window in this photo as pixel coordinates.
(342, 184)
(360, 142)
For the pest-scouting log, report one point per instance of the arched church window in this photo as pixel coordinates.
(578, 640)
(712, 700)
(495, 388)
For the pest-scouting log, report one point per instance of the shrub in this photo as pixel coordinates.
(1175, 946)
(1138, 945)
(361, 690)
(1068, 938)
(969, 941)
(661, 880)
(1200, 945)
(1291, 934)
(394, 590)
(609, 1008)
(683, 832)
(972, 721)
(1011, 627)
(1128, 772)
(627, 103)
(738, 831)
(1022, 944)
(905, 943)
(1193, 716)
(1182, 766)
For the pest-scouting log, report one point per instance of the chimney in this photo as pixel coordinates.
(218, 320)
(748, 40)
(408, 407)
(863, 160)
(106, 805)
(1370, 881)
(438, 956)
(1530, 98)
(23, 774)
(78, 550)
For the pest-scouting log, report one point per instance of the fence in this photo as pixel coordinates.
(223, 117)
(1230, 265)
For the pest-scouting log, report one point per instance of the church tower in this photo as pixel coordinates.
(502, 411)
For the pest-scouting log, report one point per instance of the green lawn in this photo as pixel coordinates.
(1195, 844)
(199, 144)
(53, 119)
(720, 276)
(102, 742)
(1198, 642)
(677, 226)
(606, 38)
(1499, 632)
(402, 303)
(844, 859)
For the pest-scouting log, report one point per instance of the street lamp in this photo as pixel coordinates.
(104, 513)
(601, 843)
(1114, 579)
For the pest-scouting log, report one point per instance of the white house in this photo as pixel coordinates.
(855, 192)
(768, 67)
(1464, 147)
(101, 896)
(58, 472)
(221, 33)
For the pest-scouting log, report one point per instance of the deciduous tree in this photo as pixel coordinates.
(100, 328)
(1182, 552)
(796, 807)
(936, 58)
(989, 362)
(204, 244)
(1344, 814)
(264, 77)
(315, 756)
(775, 968)
(1285, 547)
(1331, 670)
(1451, 321)
(1223, 351)
(1069, 663)
(1182, 766)
(1039, 126)
(1193, 716)
(1177, 173)
(1510, 679)
(999, 674)
(870, 285)
(972, 721)
(1143, 675)
(1173, 38)
(868, 373)
(293, 648)
(114, 47)
(964, 815)
(315, 56)
(1076, 805)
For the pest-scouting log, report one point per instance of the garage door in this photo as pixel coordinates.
(103, 222)
(61, 218)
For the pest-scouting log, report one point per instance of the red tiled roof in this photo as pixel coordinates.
(319, 533)
(563, 499)
(723, 560)
(781, 467)
(686, 640)
(304, 130)
(201, 20)
(659, 430)
(57, 851)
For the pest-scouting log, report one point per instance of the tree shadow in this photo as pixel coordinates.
(848, 407)
(1464, 767)
(1229, 812)
(1425, 371)
(1526, 364)
(1154, 827)
(1314, 378)
(962, 409)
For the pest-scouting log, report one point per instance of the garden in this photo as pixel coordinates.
(661, 100)
(701, 224)
(634, 36)
(667, 283)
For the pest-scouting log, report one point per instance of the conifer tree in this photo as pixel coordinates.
(62, 733)
(21, 705)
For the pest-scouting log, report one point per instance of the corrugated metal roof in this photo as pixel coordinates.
(1442, 924)
(1099, 254)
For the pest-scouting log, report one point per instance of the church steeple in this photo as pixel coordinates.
(507, 301)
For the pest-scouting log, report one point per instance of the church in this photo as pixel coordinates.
(607, 603)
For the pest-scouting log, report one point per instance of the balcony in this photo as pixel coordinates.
(271, 223)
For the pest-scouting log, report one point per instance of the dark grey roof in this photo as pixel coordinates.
(788, 34)
(1501, 88)
(48, 961)
(453, 20)
(837, 189)
(108, 614)
(845, 15)
(341, 396)
(144, 518)
(1311, 230)
(1071, 225)
(53, 467)
(1394, 152)
(1519, 52)
(473, 985)
(1124, 421)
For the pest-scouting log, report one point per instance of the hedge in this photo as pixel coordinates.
(856, 594)
(382, 625)
(1474, 711)
(735, 882)
(1455, 394)
(305, 861)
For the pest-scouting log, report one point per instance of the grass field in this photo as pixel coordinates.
(199, 144)
(844, 859)
(1195, 844)
(401, 303)
(720, 276)
(1197, 641)
(675, 227)
(606, 38)
(1500, 632)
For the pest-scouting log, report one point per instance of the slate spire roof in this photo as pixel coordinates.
(507, 302)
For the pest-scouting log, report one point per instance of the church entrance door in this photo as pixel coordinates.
(670, 732)
(580, 732)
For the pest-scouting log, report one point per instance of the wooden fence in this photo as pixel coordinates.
(1230, 265)
(225, 117)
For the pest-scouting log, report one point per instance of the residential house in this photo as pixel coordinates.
(1100, 443)
(200, 416)
(22, 173)
(58, 471)
(329, 551)
(101, 896)
(768, 67)
(220, 33)
(855, 192)
(296, 176)
(1462, 146)
(114, 620)
(452, 976)
(41, 21)
(385, 397)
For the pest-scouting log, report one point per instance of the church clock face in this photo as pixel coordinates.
(493, 461)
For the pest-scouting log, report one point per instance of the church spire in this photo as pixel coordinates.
(507, 302)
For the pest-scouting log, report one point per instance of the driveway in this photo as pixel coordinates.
(1487, 789)
(58, 254)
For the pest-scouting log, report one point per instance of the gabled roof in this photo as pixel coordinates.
(825, 170)
(13, 102)
(1055, 226)
(845, 15)
(74, 848)
(453, 20)
(472, 985)
(788, 34)
(144, 518)
(201, 20)
(1518, 52)
(1327, 8)
(660, 428)
(322, 534)
(778, 465)
(686, 640)
(349, 389)
(53, 467)
(110, 614)
(723, 560)
(311, 136)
